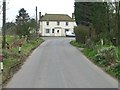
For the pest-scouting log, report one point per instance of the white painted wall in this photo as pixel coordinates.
(53, 25)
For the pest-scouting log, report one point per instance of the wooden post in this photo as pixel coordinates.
(20, 45)
(1, 64)
(8, 46)
(102, 42)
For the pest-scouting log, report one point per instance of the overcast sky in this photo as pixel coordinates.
(44, 6)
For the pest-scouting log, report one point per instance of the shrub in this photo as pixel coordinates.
(103, 36)
(106, 53)
(114, 69)
(81, 33)
(118, 52)
(74, 43)
(106, 57)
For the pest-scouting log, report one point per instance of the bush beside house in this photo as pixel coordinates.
(81, 33)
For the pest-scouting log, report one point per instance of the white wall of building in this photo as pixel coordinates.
(53, 25)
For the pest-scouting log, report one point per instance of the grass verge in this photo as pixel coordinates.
(112, 69)
(13, 60)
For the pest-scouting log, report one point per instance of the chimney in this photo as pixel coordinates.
(73, 16)
(39, 15)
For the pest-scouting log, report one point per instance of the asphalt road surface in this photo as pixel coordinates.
(57, 64)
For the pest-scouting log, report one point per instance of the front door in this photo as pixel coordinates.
(58, 32)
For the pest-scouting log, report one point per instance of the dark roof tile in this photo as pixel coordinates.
(56, 17)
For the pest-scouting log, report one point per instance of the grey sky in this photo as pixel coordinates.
(44, 6)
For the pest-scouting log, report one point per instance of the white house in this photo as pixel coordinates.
(56, 24)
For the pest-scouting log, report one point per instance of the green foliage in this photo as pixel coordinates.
(105, 19)
(90, 12)
(23, 30)
(114, 70)
(102, 16)
(22, 21)
(104, 36)
(13, 58)
(74, 43)
(9, 25)
(11, 38)
(10, 28)
(103, 56)
(5, 54)
(82, 12)
(118, 53)
(99, 17)
(90, 53)
(81, 32)
(32, 23)
(106, 54)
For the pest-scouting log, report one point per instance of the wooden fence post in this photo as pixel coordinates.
(20, 45)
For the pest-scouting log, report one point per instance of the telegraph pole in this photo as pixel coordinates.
(36, 20)
(3, 26)
(118, 22)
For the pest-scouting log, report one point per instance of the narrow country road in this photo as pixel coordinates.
(57, 64)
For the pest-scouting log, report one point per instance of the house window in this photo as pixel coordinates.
(47, 30)
(58, 23)
(67, 23)
(53, 30)
(47, 23)
(66, 30)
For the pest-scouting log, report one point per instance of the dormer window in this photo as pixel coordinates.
(67, 23)
(47, 23)
(58, 23)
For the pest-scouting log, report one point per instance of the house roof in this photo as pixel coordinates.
(56, 17)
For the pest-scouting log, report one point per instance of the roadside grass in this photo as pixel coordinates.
(118, 52)
(13, 60)
(0, 43)
(113, 69)
(74, 43)
(11, 38)
(89, 53)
